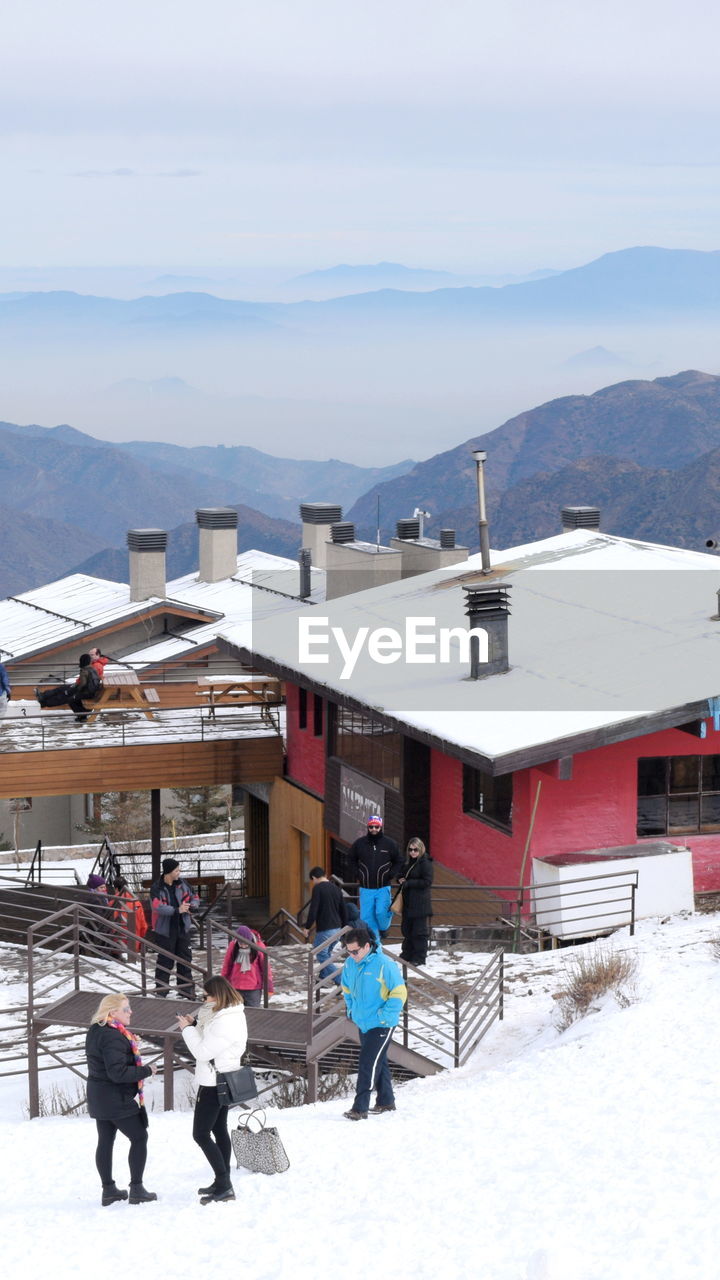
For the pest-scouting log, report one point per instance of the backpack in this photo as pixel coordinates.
(92, 684)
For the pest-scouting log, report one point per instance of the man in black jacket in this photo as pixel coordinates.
(327, 913)
(172, 901)
(375, 861)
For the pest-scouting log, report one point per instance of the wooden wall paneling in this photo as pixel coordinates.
(292, 811)
(139, 768)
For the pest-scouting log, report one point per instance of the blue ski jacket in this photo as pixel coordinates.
(374, 991)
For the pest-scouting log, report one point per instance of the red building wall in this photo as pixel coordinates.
(597, 807)
(305, 751)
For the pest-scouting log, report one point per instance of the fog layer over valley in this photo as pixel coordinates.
(371, 377)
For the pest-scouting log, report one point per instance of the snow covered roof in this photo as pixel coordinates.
(604, 633)
(64, 611)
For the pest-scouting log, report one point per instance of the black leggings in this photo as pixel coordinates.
(134, 1129)
(211, 1119)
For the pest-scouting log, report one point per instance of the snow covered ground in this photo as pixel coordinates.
(587, 1154)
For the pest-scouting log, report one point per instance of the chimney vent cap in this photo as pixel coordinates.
(408, 530)
(491, 597)
(216, 518)
(447, 538)
(580, 517)
(343, 531)
(147, 540)
(320, 513)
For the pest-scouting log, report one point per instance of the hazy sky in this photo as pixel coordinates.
(454, 133)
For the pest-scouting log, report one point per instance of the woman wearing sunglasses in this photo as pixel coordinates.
(415, 881)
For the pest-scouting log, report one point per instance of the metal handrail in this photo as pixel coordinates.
(188, 723)
(37, 857)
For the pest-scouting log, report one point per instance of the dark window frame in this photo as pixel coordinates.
(318, 718)
(302, 708)
(666, 789)
(367, 745)
(487, 798)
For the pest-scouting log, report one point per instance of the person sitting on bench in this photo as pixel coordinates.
(84, 689)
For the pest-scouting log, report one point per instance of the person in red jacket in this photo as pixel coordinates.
(244, 966)
(99, 661)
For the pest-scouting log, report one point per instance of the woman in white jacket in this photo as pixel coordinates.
(217, 1040)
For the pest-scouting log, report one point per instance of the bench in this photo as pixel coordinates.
(248, 689)
(121, 688)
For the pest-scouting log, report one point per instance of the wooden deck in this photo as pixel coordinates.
(273, 1036)
(165, 763)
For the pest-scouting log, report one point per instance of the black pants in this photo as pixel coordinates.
(416, 936)
(178, 944)
(63, 695)
(134, 1128)
(373, 1070)
(210, 1121)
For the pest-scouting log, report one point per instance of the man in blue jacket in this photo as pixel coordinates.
(374, 996)
(5, 691)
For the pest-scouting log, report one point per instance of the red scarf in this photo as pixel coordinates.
(127, 1033)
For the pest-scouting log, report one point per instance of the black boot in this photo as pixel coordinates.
(209, 1191)
(111, 1193)
(223, 1191)
(138, 1194)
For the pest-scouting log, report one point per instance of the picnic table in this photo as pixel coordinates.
(121, 689)
(245, 687)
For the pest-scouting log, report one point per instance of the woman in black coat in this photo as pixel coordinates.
(115, 1076)
(415, 880)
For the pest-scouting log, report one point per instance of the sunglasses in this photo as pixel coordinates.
(354, 951)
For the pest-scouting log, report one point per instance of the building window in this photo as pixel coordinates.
(488, 798)
(302, 708)
(317, 716)
(367, 745)
(678, 795)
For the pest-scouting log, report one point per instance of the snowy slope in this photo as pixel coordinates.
(591, 1153)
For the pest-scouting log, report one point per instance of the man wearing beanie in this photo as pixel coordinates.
(375, 861)
(172, 902)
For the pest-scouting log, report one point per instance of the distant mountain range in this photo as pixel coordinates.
(333, 282)
(646, 452)
(631, 285)
(66, 494)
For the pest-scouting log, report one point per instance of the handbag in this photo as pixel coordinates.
(235, 1087)
(396, 905)
(259, 1150)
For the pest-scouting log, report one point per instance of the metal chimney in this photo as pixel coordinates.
(488, 609)
(447, 538)
(147, 549)
(580, 518)
(305, 561)
(480, 457)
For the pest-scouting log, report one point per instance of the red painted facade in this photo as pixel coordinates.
(596, 808)
(305, 751)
